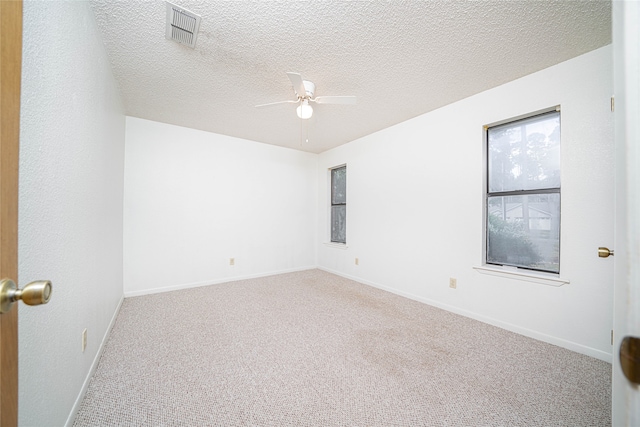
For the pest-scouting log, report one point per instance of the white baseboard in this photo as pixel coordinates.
(94, 365)
(212, 282)
(570, 345)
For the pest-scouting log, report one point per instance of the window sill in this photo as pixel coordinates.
(336, 245)
(518, 274)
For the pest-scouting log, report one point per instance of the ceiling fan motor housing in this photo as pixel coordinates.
(309, 88)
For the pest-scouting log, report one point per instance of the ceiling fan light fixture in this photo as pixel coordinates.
(304, 110)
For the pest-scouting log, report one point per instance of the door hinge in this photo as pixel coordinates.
(613, 103)
(612, 337)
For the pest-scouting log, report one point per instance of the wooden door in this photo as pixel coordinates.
(10, 72)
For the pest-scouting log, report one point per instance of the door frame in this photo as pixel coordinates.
(626, 310)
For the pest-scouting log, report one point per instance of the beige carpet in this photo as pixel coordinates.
(314, 349)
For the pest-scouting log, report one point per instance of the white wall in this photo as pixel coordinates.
(194, 199)
(70, 214)
(415, 208)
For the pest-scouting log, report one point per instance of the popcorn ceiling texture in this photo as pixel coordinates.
(401, 59)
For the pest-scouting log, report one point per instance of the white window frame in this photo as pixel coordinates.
(341, 245)
(514, 272)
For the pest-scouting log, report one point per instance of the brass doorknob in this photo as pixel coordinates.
(35, 293)
(630, 358)
(604, 252)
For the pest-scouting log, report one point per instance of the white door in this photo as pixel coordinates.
(626, 322)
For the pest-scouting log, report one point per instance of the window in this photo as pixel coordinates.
(339, 205)
(523, 193)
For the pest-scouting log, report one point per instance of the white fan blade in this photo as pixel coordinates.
(346, 100)
(298, 85)
(276, 103)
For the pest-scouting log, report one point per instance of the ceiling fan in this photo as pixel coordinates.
(305, 91)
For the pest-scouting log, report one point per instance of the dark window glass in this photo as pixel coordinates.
(523, 196)
(339, 205)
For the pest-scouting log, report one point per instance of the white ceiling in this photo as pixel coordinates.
(400, 58)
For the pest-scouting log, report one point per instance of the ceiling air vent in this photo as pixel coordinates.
(182, 25)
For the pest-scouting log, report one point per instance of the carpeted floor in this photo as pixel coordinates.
(314, 349)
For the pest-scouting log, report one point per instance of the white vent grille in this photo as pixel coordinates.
(182, 25)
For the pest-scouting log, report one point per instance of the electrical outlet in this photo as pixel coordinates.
(232, 261)
(357, 261)
(84, 339)
(453, 282)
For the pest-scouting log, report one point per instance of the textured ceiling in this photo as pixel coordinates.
(401, 59)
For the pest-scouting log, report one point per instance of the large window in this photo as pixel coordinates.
(523, 193)
(339, 204)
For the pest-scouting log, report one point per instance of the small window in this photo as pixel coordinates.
(523, 193)
(339, 205)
